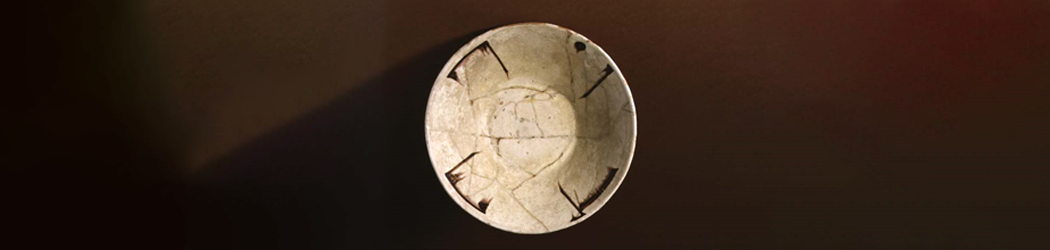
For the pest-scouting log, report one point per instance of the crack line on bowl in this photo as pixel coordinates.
(568, 58)
(517, 137)
(544, 90)
(515, 197)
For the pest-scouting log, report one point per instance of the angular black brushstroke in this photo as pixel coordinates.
(483, 47)
(455, 178)
(608, 70)
(601, 189)
(590, 198)
(453, 75)
(577, 207)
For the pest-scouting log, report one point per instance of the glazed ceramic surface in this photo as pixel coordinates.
(531, 128)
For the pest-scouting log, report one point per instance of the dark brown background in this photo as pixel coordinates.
(762, 124)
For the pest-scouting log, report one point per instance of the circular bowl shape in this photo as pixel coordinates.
(530, 128)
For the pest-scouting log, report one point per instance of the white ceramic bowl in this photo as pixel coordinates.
(531, 127)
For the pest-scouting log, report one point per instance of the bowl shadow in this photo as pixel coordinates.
(354, 173)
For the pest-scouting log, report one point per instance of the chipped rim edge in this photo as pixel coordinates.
(605, 196)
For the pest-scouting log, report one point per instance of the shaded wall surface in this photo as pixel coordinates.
(761, 124)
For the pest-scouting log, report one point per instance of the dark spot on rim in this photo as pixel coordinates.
(483, 205)
(580, 46)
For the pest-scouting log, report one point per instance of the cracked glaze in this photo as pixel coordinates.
(530, 128)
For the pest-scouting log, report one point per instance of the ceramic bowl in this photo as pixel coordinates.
(531, 128)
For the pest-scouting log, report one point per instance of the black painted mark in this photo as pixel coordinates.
(605, 74)
(590, 198)
(453, 74)
(577, 207)
(580, 46)
(601, 189)
(455, 178)
(489, 48)
(484, 204)
(484, 47)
